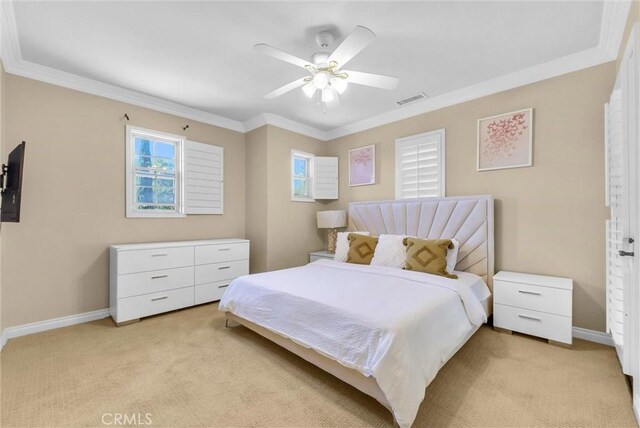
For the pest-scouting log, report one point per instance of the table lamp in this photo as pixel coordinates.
(332, 220)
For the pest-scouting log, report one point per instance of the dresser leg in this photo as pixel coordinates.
(122, 324)
(501, 330)
(559, 344)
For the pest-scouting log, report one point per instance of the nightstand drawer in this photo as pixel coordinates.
(221, 253)
(151, 260)
(134, 284)
(221, 271)
(545, 299)
(541, 324)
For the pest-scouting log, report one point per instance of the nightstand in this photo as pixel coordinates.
(533, 304)
(317, 255)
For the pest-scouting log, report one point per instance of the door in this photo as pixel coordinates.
(622, 198)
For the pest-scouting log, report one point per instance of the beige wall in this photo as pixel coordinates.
(549, 218)
(55, 261)
(282, 232)
(293, 231)
(256, 197)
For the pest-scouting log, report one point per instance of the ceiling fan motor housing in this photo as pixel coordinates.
(324, 39)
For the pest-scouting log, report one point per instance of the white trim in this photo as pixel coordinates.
(592, 336)
(51, 324)
(612, 26)
(284, 123)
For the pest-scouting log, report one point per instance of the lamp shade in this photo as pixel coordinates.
(332, 219)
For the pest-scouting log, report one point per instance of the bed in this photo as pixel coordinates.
(385, 331)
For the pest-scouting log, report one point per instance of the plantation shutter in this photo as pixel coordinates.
(204, 178)
(420, 165)
(325, 177)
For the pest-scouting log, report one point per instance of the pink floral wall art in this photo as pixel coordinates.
(362, 166)
(505, 140)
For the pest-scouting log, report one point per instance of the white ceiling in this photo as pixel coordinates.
(200, 54)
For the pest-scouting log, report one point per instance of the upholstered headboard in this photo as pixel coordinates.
(469, 219)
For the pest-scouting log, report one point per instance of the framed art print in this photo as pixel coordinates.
(505, 140)
(362, 166)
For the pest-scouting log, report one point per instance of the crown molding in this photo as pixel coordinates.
(614, 18)
(284, 123)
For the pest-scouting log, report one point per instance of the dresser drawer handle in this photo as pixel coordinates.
(159, 255)
(159, 276)
(223, 286)
(159, 298)
(529, 292)
(224, 249)
(529, 318)
(224, 267)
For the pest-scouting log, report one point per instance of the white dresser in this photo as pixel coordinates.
(533, 304)
(148, 279)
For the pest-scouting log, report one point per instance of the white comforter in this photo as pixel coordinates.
(398, 326)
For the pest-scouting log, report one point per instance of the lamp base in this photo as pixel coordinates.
(332, 237)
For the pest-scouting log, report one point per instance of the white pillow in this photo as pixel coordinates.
(342, 246)
(390, 251)
(452, 256)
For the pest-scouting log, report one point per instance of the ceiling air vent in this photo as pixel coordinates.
(412, 98)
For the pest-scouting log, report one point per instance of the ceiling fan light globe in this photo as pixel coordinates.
(321, 80)
(327, 95)
(340, 85)
(309, 89)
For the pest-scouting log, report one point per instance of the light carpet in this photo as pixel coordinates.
(184, 369)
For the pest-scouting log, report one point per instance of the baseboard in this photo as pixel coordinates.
(36, 327)
(592, 336)
(636, 405)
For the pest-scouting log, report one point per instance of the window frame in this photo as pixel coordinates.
(309, 157)
(442, 160)
(131, 211)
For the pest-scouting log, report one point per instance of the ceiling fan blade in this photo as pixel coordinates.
(282, 55)
(369, 79)
(286, 88)
(355, 42)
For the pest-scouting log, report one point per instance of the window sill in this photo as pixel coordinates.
(300, 199)
(155, 215)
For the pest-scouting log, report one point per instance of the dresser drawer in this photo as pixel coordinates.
(134, 284)
(544, 299)
(541, 324)
(210, 292)
(152, 260)
(221, 271)
(149, 304)
(221, 253)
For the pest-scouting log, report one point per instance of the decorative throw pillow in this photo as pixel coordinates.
(428, 256)
(361, 248)
(452, 256)
(342, 246)
(390, 251)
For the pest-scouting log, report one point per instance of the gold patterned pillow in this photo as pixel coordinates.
(361, 248)
(428, 255)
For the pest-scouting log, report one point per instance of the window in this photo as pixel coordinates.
(420, 165)
(154, 174)
(301, 176)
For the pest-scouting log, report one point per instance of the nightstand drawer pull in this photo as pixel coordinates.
(223, 286)
(224, 267)
(529, 292)
(159, 276)
(529, 318)
(159, 255)
(224, 249)
(159, 298)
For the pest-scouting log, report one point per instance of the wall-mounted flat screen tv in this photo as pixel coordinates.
(12, 183)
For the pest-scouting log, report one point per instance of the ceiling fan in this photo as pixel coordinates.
(327, 79)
